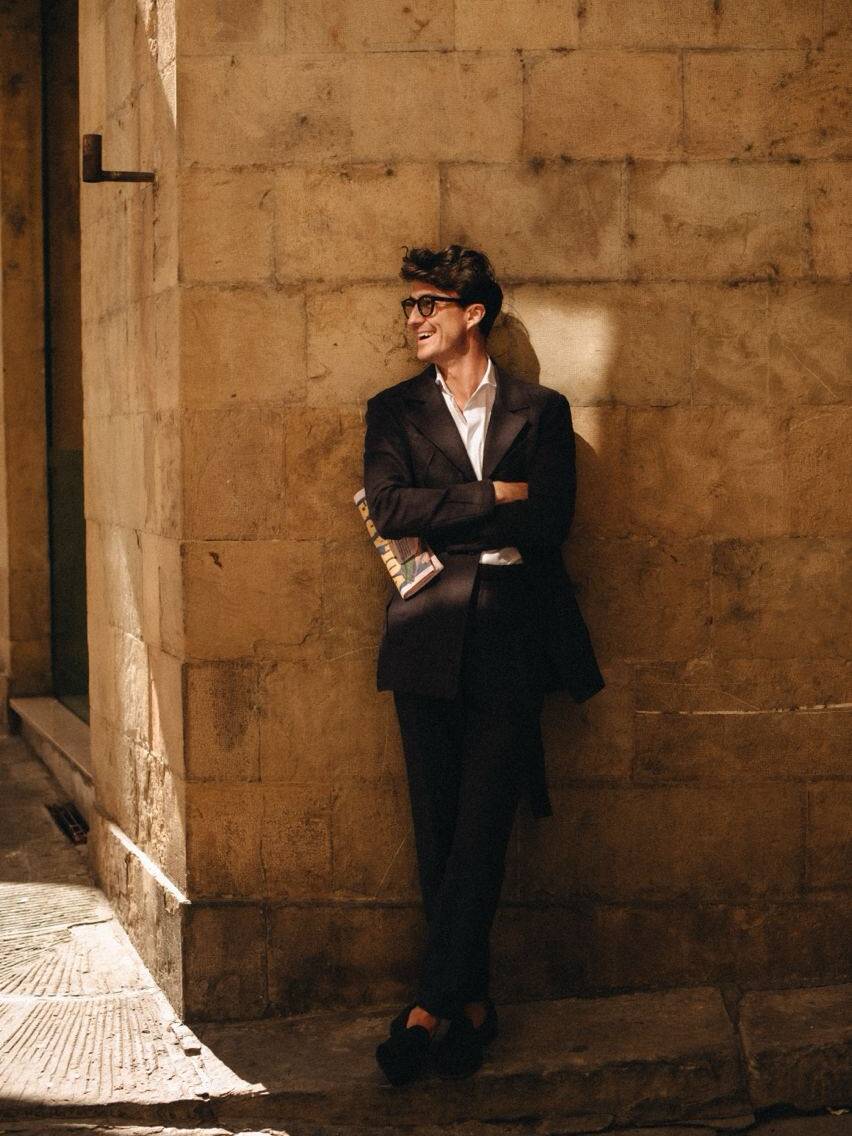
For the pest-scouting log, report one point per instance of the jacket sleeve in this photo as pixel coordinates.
(397, 507)
(544, 519)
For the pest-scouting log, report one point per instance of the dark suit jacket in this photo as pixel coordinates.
(419, 481)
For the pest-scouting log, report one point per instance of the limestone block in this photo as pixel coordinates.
(162, 594)
(321, 719)
(323, 471)
(92, 73)
(810, 343)
(164, 486)
(167, 709)
(830, 192)
(837, 24)
(758, 944)
(115, 483)
(706, 220)
(644, 599)
(740, 744)
(233, 461)
(476, 118)
(114, 574)
(239, 109)
(600, 434)
(225, 962)
(767, 104)
(167, 221)
(357, 343)
(132, 709)
(603, 104)
(249, 598)
(557, 967)
(752, 23)
(354, 596)
(706, 471)
(783, 598)
(230, 25)
(829, 839)
(226, 226)
(341, 956)
(161, 827)
(594, 740)
(797, 1046)
(608, 343)
(668, 842)
(558, 221)
(819, 471)
(317, 235)
(124, 39)
(375, 25)
(493, 25)
(222, 723)
(166, 375)
(373, 841)
(114, 762)
(102, 661)
(29, 603)
(223, 840)
(242, 345)
(729, 344)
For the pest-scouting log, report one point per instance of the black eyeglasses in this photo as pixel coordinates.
(426, 304)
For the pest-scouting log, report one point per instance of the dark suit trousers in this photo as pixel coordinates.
(466, 760)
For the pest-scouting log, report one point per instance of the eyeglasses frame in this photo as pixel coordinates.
(412, 303)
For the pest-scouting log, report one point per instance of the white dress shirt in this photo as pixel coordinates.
(472, 422)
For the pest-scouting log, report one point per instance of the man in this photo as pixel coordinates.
(481, 466)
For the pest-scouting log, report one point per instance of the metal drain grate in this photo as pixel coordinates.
(70, 821)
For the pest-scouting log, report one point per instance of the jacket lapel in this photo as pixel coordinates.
(508, 417)
(426, 408)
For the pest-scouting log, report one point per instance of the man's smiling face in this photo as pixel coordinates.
(446, 333)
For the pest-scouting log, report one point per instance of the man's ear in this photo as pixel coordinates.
(478, 313)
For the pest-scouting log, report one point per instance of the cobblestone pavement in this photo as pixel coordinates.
(81, 1020)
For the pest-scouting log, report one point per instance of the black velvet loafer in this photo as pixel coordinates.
(400, 1022)
(462, 1050)
(402, 1056)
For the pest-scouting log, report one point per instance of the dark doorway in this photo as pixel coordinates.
(63, 363)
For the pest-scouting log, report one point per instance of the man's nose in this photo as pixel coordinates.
(414, 317)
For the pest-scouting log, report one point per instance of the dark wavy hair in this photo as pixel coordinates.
(457, 269)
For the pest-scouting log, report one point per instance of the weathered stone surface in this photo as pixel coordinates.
(223, 27)
(810, 342)
(115, 486)
(166, 675)
(225, 949)
(837, 24)
(539, 219)
(782, 599)
(493, 25)
(820, 471)
(830, 193)
(603, 104)
(829, 838)
(601, 505)
(376, 25)
(323, 471)
(315, 236)
(798, 1046)
(234, 459)
(251, 598)
(729, 344)
(704, 220)
(706, 471)
(373, 841)
(226, 224)
(299, 109)
(222, 724)
(242, 345)
(644, 599)
(489, 87)
(639, 1059)
(592, 741)
(755, 23)
(246, 840)
(608, 343)
(767, 104)
(357, 343)
(668, 842)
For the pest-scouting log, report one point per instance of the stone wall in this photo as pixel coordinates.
(663, 191)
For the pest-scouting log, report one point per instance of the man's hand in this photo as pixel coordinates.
(510, 491)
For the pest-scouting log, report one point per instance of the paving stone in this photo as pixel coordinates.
(798, 1046)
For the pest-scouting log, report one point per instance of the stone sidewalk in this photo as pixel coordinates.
(88, 1043)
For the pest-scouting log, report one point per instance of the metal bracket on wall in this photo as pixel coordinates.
(92, 164)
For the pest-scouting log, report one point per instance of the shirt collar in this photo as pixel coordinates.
(487, 379)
